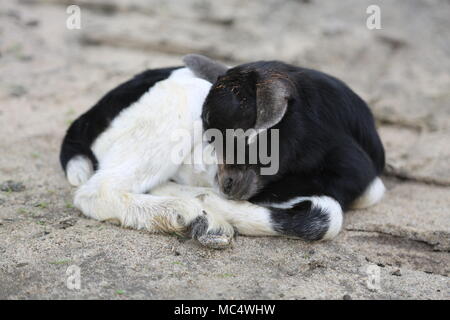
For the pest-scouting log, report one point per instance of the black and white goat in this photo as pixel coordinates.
(119, 153)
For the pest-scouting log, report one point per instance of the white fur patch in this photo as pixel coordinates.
(79, 169)
(373, 194)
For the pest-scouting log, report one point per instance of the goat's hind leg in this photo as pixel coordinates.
(100, 198)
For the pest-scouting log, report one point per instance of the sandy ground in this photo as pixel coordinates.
(50, 74)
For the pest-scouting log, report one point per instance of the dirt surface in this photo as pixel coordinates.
(50, 74)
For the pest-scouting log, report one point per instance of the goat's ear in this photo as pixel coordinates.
(272, 96)
(203, 67)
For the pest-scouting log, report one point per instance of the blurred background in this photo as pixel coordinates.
(50, 74)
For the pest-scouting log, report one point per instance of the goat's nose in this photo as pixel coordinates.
(227, 184)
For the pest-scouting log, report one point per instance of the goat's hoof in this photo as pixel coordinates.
(215, 241)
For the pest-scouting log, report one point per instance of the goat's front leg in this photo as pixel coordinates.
(225, 215)
(211, 228)
(307, 217)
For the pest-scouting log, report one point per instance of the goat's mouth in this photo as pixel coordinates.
(237, 197)
(235, 184)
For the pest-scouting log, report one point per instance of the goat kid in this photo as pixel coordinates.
(118, 155)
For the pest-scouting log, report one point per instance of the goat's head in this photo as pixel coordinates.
(251, 97)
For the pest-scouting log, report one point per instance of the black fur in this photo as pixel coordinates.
(328, 141)
(304, 220)
(198, 227)
(83, 131)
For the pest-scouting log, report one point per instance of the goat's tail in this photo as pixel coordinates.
(76, 157)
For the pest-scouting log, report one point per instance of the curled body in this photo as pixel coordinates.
(119, 155)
